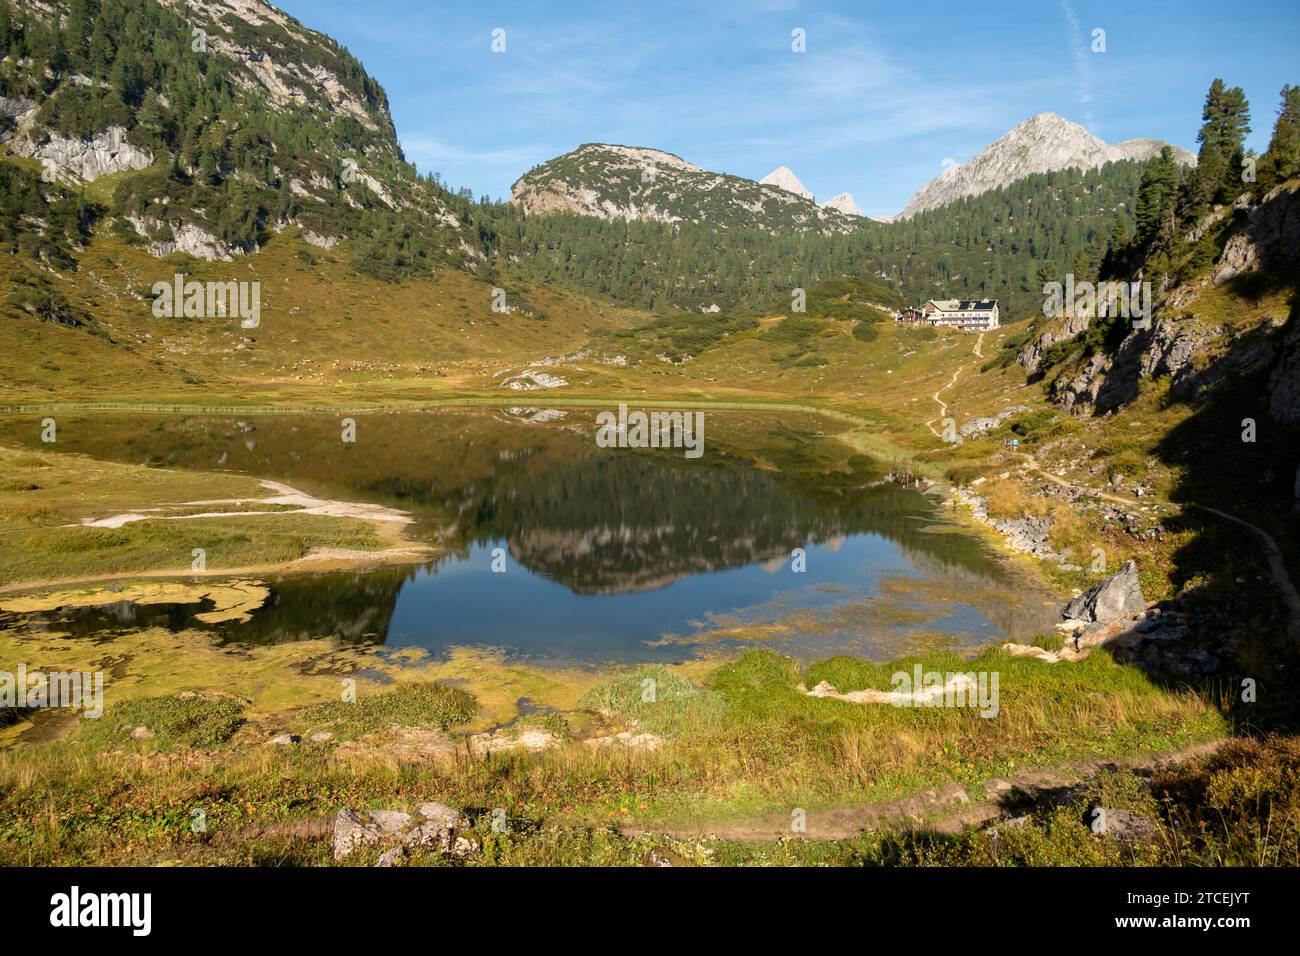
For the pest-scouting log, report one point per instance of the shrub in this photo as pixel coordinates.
(410, 705)
(186, 719)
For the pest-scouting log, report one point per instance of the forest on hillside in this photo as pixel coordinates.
(1000, 245)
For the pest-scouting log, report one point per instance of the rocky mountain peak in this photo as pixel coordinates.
(844, 203)
(1043, 143)
(783, 178)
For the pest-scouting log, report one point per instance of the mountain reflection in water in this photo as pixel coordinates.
(605, 550)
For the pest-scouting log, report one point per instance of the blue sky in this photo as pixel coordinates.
(883, 95)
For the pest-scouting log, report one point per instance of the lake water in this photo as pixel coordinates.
(608, 554)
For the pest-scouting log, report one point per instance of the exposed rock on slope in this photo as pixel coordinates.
(1040, 144)
(89, 158)
(980, 426)
(635, 183)
(1271, 237)
(1198, 356)
(1060, 329)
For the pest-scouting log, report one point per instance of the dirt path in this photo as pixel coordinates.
(1276, 565)
(1273, 553)
(943, 406)
(946, 809)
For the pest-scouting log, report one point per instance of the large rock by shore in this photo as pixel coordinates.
(1118, 596)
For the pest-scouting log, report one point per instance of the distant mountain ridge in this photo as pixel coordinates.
(640, 183)
(636, 183)
(1041, 144)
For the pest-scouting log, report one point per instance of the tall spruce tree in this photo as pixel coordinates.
(1225, 121)
(1282, 159)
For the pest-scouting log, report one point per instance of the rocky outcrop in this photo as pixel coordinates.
(1197, 358)
(435, 828)
(17, 108)
(507, 740)
(1028, 534)
(1117, 823)
(1040, 144)
(1271, 237)
(980, 426)
(1119, 596)
(84, 158)
(322, 242)
(164, 238)
(1057, 330)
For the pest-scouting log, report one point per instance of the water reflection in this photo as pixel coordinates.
(605, 551)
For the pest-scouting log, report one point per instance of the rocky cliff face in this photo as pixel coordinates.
(1041, 144)
(1270, 237)
(1198, 356)
(1060, 329)
(637, 183)
(80, 158)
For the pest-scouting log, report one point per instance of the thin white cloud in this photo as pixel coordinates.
(1082, 61)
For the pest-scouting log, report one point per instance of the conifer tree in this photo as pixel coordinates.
(1225, 121)
(1282, 159)
(1156, 195)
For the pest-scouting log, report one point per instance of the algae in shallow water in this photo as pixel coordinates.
(233, 600)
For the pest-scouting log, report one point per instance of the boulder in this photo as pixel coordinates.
(506, 741)
(980, 426)
(1116, 597)
(662, 856)
(435, 827)
(1121, 824)
(352, 831)
(627, 739)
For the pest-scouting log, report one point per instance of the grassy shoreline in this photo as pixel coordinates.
(737, 736)
(738, 740)
(236, 524)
